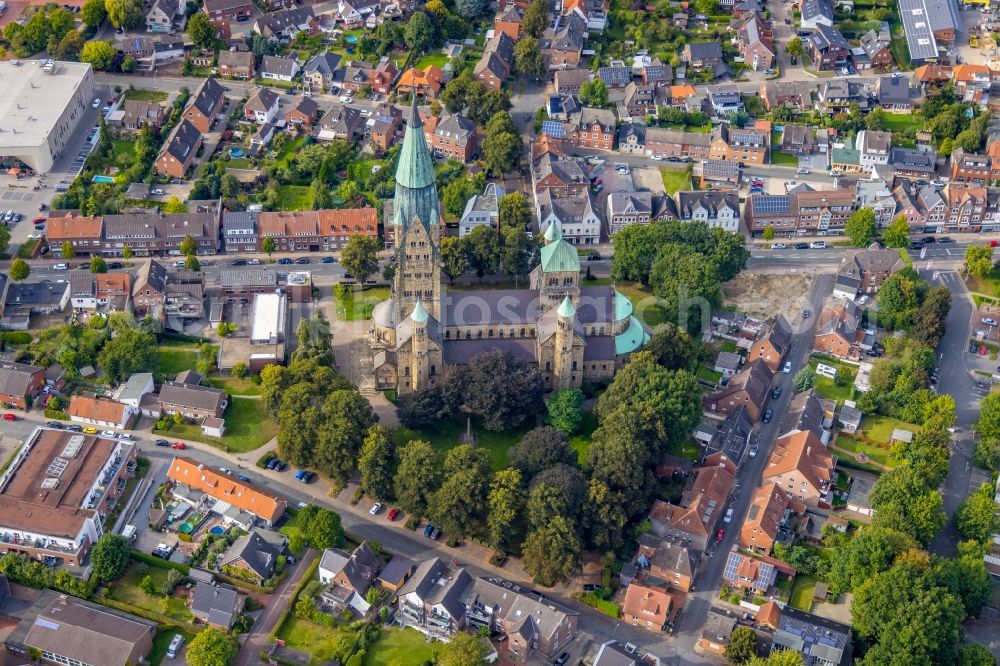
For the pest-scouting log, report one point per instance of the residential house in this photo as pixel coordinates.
(894, 94)
(699, 510)
(720, 174)
(341, 122)
(481, 210)
(319, 71)
(97, 412)
(647, 607)
(715, 208)
(718, 628)
(161, 294)
(877, 55)
(667, 143)
(132, 392)
(798, 140)
(569, 81)
(303, 113)
(395, 574)
(935, 208)
(743, 571)
(839, 95)
(849, 418)
(574, 214)
(216, 604)
(388, 121)
(355, 13)
(772, 344)
(815, 13)
(278, 69)
(615, 76)
(192, 401)
(859, 496)
(778, 211)
(431, 600)
(536, 627)
(970, 167)
(20, 383)
(874, 147)
(745, 145)
(827, 48)
(756, 43)
(913, 163)
(424, 83)
(725, 99)
(254, 557)
(177, 156)
(594, 128)
(808, 411)
(628, 208)
(748, 388)
(819, 640)
(793, 95)
(262, 106)
(767, 519)
(284, 24)
(161, 14)
(104, 291)
(497, 61)
(837, 329)
(594, 12)
(972, 82)
(728, 363)
(801, 466)
(654, 72)
(640, 100)
(667, 563)
(508, 21)
(236, 64)
(965, 208)
(230, 10)
(824, 210)
(224, 31)
(204, 108)
(871, 268)
(167, 51)
(565, 176)
(705, 56)
(138, 114)
(258, 503)
(565, 48)
(347, 577)
(451, 137)
(613, 653)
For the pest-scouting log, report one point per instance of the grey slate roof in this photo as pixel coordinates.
(324, 63)
(805, 412)
(242, 222)
(815, 637)
(182, 143)
(277, 65)
(257, 550)
(827, 37)
(713, 202)
(195, 397)
(208, 96)
(911, 159)
(15, 378)
(217, 604)
(425, 584)
(719, 626)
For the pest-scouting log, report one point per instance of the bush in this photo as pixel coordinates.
(16, 337)
(56, 414)
(240, 370)
(357, 496)
(186, 538)
(265, 459)
(162, 425)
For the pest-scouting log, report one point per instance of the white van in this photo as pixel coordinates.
(827, 371)
(175, 646)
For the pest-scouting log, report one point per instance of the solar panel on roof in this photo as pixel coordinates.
(554, 128)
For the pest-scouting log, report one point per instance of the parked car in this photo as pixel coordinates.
(90, 430)
(376, 507)
(945, 239)
(328, 260)
(54, 424)
(435, 533)
(284, 261)
(254, 262)
(778, 246)
(805, 314)
(239, 262)
(788, 367)
(728, 518)
(776, 393)
(393, 513)
(562, 659)
(96, 103)
(594, 256)
(802, 170)
(753, 451)
(817, 245)
(929, 239)
(302, 260)
(162, 442)
(61, 267)
(428, 530)
(115, 265)
(802, 246)
(768, 414)
(111, 434)
(989, 322)
(719, 535)
(9, 417)
(244, 478)
(180, 446)
(74, 428)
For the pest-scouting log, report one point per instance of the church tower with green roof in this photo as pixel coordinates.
(558, 273)
(416, 224)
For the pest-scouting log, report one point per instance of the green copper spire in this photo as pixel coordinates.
(566, 308)
(419, 314)
(416, 169)
(552, 233)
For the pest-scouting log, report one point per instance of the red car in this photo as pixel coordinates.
(178, 445)
(9, 417)
(392, 514)
(40, 220)
(718, 535)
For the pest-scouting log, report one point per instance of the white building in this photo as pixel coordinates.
(482, 210)
(41, 105)
(576, 215)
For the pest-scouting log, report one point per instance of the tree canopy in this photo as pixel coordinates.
(210, 647)
(109, 557)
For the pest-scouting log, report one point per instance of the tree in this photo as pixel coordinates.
(979, 260)
(345, 418)
(514, 211)
(804, 379)
(671, 346)
(130, 350)
(459, 505)
(109, 557)
(203, 33)
(501, 144)
(976, 517)
(535, 18)
(974, 654)
(462, 649)
(470, 9)
(127, 14)
(360, 257)
(323, 529)
(377, 463)
(188, 246)
(70, 46)
(902, 499)
(99, 54)
(211, 647)
(742, 646)
(4, 238)
(551, 552)
(897, 234)
(93, 13)
(501, 391)
(516, 251)
(482, 250)
(929, 322)
(267, 245)
(794, 47)
(67, 250)
(418, 34)
(861, 227)
(871, 551)
(539, 449)
(19, 270)
(147, 585)
(175, 205)
(683, 279)
(706, 7)
(528, 58)
(457, 193)
(315, 339)
(505, 502)
(565, 410)
(98, 265)
(897, 301)
(126, 253)
(416, 477)
(594, 93)
(454, 254)
(769, 232)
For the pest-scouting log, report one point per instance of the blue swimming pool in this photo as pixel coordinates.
(350, 39)
(236, 152)
(103, 179)
(218, 529)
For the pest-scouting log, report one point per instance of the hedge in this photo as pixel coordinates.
(16, 337)
(290, 607)
(144, 613)
(160, 563)
(56, 414)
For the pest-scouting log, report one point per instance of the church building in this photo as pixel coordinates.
(572, 333)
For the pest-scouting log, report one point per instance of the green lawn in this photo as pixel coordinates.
(437, 59)
(900, 122)
(802, 592)
(876, 454)
(828, 388)
(783, 159)
(248, 427)
(644, 303)
(708, 375)
(317, 641)
(446, 437)
(287, 151)
(400, 646)
(233, 386)
(162, 642)
(879, 428)
(581, 440)
(294, 197)
(27, 248)
(144, 95)
(238, 163)
(675, 181)
(358, 305)
(173, 359)
(127, 590)
(989, 285)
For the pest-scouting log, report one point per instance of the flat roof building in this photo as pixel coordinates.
(42, 104)
(58, 491)
(268, 319)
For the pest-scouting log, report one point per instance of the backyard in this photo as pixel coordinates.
(436, 59)
(294, 197)
(900, 122)
(358, 305)
(674, 180)
(127, 590)
(876, 454)
(879, 428)
(828, 388)
(248, 427)
(400, 646)
(144, 95)
(446, 437)
(784, 159)
(174, 356)
(802, 592)
(317, 641)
